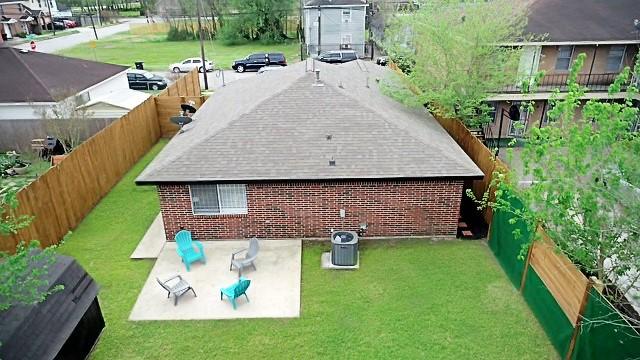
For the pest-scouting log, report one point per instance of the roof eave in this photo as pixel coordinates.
(143, 182)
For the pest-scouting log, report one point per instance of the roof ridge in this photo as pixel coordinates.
(15, 51)
(245, 112)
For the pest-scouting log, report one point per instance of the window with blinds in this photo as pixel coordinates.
(563, 60)
(212, 199)
(615, 57)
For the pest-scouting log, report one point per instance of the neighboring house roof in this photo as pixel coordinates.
(124, 99)
(39, 331)
(309, 3)
(40, 77)
(275, 127)
(584, 20)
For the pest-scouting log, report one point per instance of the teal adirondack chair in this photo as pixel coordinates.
(186, 249)
(235, 291)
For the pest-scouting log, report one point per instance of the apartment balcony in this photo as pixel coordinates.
(593, 82)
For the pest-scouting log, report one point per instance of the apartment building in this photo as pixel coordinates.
(603, 30)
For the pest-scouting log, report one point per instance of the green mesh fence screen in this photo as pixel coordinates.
(505, 246)
(548, 312)
(604, 333)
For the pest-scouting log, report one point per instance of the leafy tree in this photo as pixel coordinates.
(449, 50)
(585, 187)
(256, 20)
(22, 273)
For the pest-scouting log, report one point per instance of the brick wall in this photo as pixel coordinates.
(288, 210)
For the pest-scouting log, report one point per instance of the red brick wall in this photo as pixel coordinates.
(290, 210)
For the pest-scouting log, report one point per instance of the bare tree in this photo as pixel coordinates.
(67, 120)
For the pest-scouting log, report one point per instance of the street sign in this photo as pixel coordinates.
(33, 45)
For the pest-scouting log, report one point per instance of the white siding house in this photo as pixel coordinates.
(341, 22)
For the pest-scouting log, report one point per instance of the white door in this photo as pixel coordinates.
(529, 62)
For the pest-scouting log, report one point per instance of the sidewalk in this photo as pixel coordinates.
(85, 35)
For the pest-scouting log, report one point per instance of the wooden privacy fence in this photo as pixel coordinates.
(60, 198)
(479, 153)
(562, 278)
(185, 89)
(168, 106)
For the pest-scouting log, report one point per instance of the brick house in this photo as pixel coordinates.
(283, 155)
(604, 31)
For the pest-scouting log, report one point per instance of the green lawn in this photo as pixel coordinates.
(157, 53)
(410, 299)
(37, 168)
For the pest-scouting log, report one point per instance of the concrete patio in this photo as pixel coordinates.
(274, 290)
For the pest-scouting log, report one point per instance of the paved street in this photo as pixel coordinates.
(85, 35)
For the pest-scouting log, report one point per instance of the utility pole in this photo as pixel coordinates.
(95, 33)
(319, 34)
(98, 15)
(300, 29)
(51, 17)
(204, 62)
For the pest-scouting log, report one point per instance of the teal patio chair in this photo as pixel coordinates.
(235, 291)
(186, 249)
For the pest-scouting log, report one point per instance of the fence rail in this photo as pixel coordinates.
(594, 82)
(60, 198)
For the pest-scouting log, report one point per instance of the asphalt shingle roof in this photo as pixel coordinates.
(275, 127)
(40, 77)
(584, 20)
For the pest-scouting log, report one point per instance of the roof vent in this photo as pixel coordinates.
(340, 84)
(332, 162)
(329, 136)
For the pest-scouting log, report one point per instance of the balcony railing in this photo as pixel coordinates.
(594, 82)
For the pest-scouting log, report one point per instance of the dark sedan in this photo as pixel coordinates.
(259, 60)
(144, 80)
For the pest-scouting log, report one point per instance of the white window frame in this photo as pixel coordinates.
(573, 48)
(346, 35)
(624, 52)
(222, 209)
(346, 19)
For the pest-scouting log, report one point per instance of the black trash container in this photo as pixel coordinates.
(139, 65)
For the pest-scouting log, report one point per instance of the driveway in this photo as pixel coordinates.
(85, 35)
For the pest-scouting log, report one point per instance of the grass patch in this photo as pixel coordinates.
(37, 167)
(158, 53)
(410, 299)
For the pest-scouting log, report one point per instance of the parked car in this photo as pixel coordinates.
(258, 60)
(58, 25)
(269, 68)
(144, 80)
(338, 56)
(190, 64)
(69, 23)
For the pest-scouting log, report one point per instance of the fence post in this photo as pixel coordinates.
(576, 328)
(526, 267)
